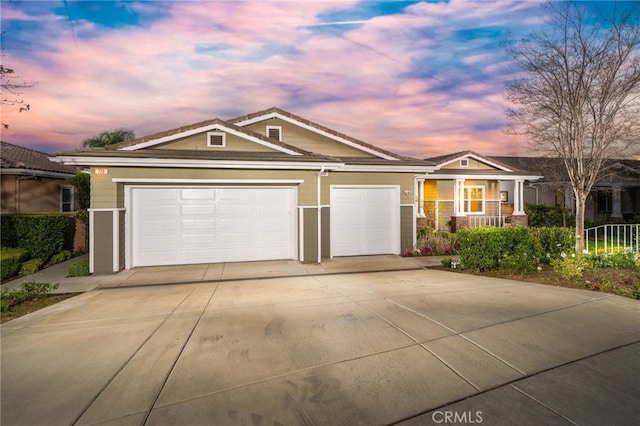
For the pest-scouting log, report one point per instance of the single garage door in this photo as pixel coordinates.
(365, 220)
(185, 225)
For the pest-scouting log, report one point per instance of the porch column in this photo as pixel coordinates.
(458, 198)
(421, 198)
(518, 197)
(569, 204)
(616, 207)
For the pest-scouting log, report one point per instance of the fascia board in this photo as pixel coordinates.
(216, 126)
(483, 177)
(317, 131)
(38, 173)
(190, 163)
(385, 168)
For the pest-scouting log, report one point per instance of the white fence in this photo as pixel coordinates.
(613, 238)
(475, 221)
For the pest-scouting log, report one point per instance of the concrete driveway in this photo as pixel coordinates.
(414, 347)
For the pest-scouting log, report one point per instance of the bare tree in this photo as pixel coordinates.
(12, 87)
(578, 94)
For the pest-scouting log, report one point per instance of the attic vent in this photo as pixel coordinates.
(216, 139)
(464, 162)
(274, 132)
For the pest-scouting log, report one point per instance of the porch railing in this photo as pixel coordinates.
(475, 221)
(612, 238)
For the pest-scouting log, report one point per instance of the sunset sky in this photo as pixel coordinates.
(417, 78)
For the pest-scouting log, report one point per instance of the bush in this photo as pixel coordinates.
(481, 248)
(542, 215)
(435, 243)
(79, 268)
(31, 266)
(614, 260)
(553, 241)
(10, 261)
(42, 235)
(8, 232)
(569, 266)
(60, 257)
(27, 291)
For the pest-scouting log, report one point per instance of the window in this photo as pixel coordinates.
(605, 202)
(66, 198)
(274, 132)
(474, 199)
(464, 162)
(216, 139)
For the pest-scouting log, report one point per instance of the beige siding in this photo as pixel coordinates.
(308, 140)
(473, 165)
(107, 194)
(198, 142)
(404, 180)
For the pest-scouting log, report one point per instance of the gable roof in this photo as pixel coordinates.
(16, 159)
(204, 126)
(319, 129)
(443, 160)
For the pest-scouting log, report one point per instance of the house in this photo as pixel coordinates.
(468, 190)
(615, 196)
(31, 183)
(268, 185)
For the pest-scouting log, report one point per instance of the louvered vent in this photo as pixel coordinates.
(274, 132)
(215, 139)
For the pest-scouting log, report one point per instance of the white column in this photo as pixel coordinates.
(421, 198)
(518, 197)
(458, 197)
(616, 207)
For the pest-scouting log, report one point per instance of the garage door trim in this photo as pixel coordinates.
(129, 210)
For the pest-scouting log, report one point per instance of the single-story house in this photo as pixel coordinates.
(469, 190)
(615, 196)
(31, 183)
(268, 185)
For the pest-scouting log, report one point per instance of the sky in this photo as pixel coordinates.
(417, 78)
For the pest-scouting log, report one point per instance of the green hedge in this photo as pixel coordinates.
(79, 268)
(31, 267)
(10, 261)
(42, 235)
(517, 248)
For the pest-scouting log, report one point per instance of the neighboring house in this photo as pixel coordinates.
(615, 196)
(469, 190)
(31, 183)
(269, 185)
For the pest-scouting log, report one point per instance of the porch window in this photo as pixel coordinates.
(605, 202)
(474, 199)
(66, 198)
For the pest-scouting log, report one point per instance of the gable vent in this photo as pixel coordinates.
(216, 139)
(274, 132)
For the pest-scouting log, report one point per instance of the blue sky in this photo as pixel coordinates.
(418, 78)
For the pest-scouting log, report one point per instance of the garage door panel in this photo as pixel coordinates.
(365, 221)
(200, 225)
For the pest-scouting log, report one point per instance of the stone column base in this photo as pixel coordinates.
(519, 220)
(459, 222)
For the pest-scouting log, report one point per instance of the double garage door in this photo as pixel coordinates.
(185, 225)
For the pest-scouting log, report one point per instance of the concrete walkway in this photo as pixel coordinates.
(342, 347)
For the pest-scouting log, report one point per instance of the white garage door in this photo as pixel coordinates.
(365, 220)
(184, 225)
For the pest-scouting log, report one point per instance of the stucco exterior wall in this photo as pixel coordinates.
(24, 194)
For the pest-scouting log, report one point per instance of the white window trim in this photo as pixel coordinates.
(279, 128)
(224, 139)
(467, 201)
(72, 201)
(464, 162)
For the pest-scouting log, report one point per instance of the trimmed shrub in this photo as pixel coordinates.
(543, 215)
(8, 236)
(554, 241)
(42, 235)
(31, 266)
(79, 268)
(10, 261)
(480, 248)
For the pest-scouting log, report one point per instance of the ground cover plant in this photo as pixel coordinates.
(433, 243)
(28, 297)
